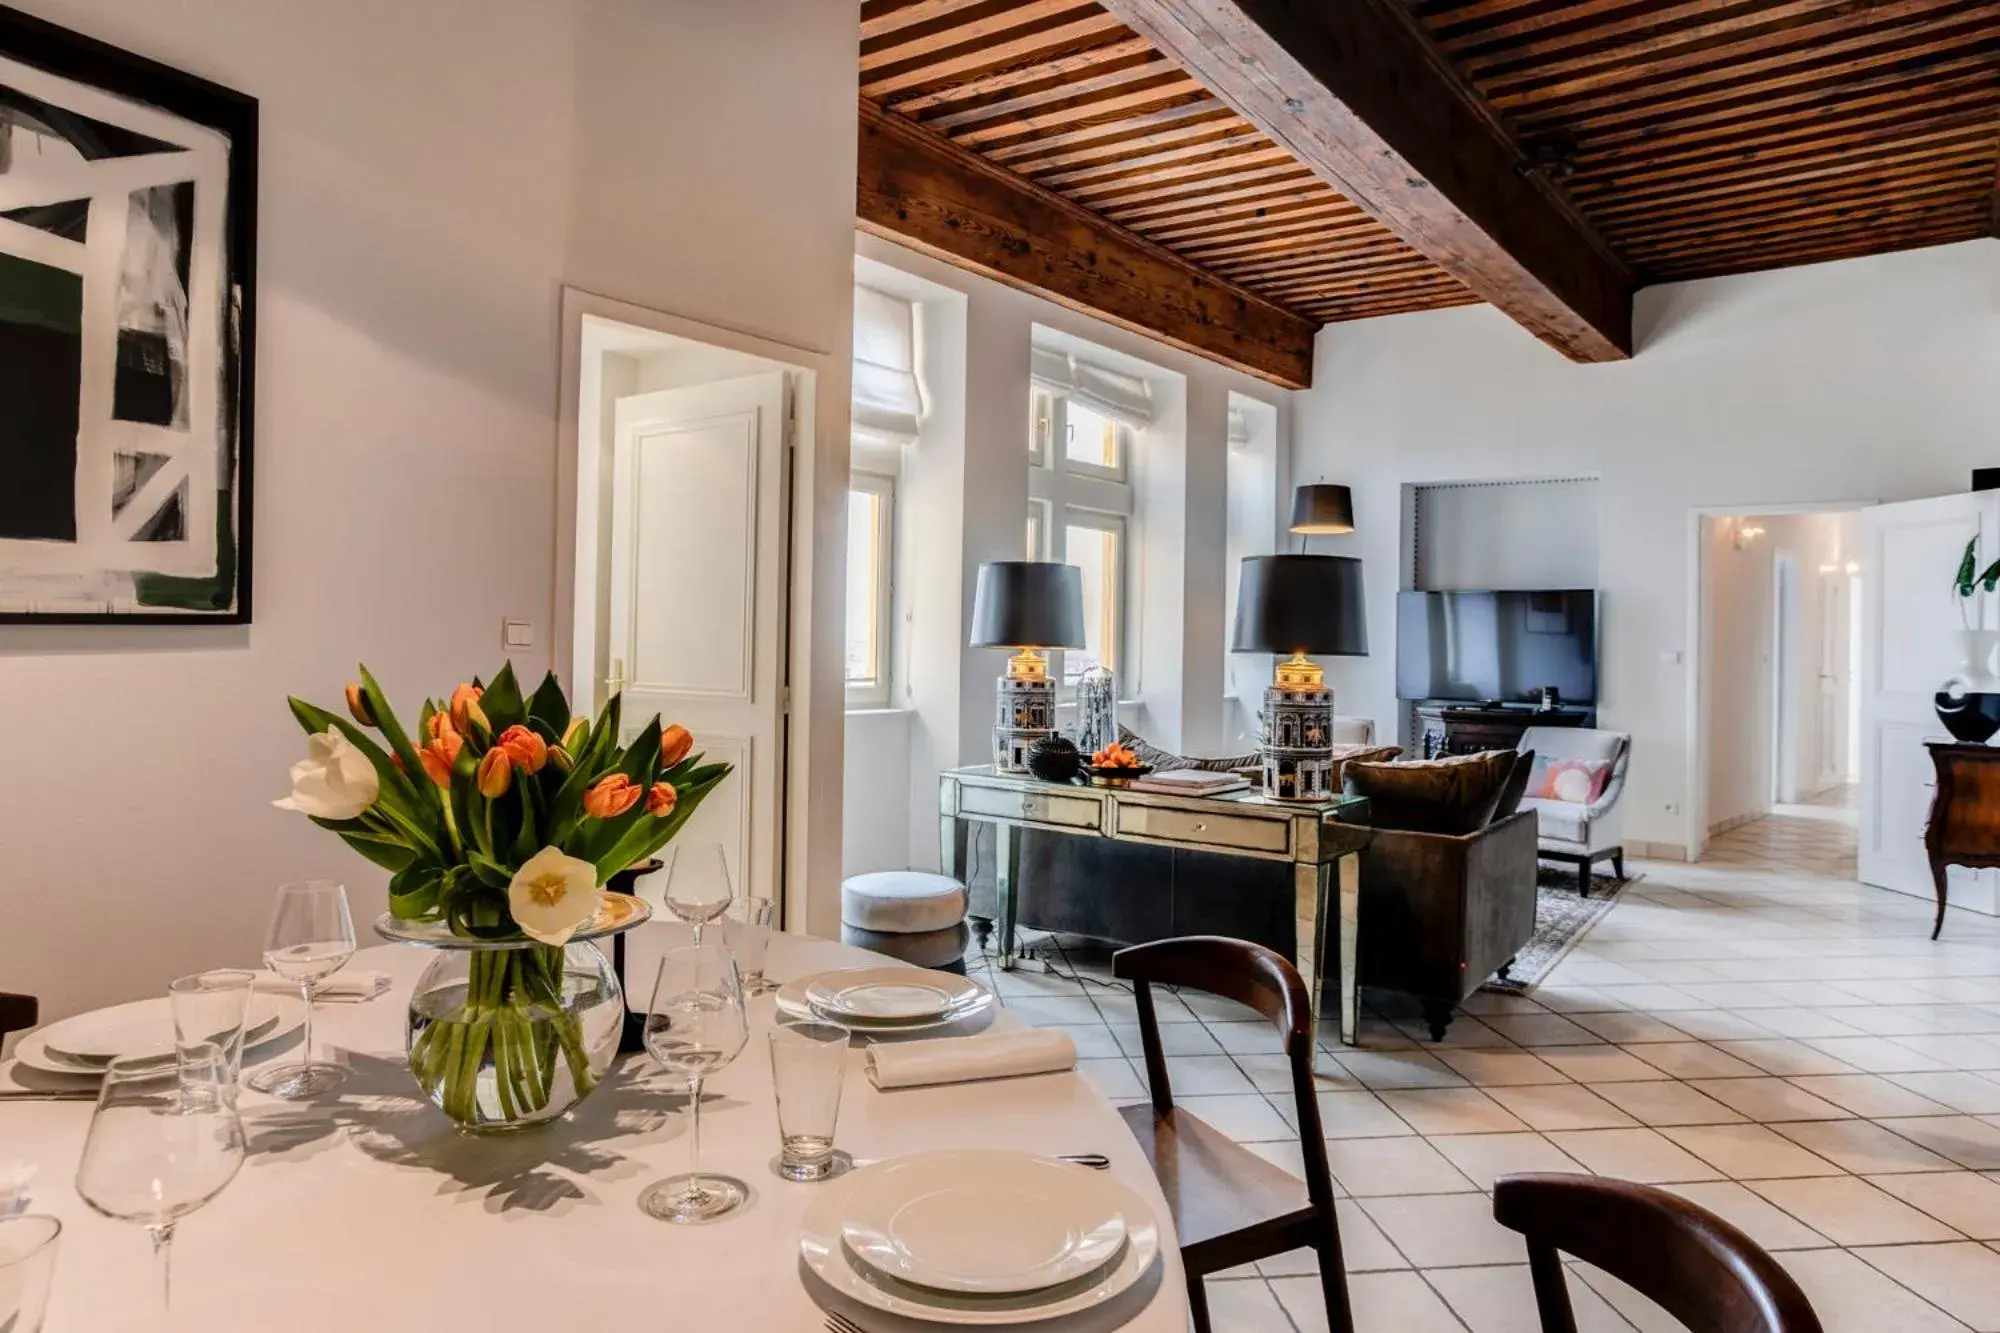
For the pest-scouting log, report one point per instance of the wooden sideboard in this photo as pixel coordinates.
(1964, 826)
(1449, 728)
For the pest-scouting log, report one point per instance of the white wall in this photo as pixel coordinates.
(1869, 379)
(431, 175)
(963, 500)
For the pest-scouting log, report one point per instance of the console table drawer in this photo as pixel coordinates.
(1243, 833)
(1031, 807)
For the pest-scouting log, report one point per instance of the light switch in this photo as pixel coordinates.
(517, 634)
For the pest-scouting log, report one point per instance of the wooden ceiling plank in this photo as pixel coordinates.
(921, 189)
(1817, 250)
(1138, 132)
(1190, 187)
(1042, 43)
(1670, 181)
(1179, 163)
(1908, 42)
(1099, 110)
(1959, 147)
(881, 16)
(1300, 188)
(1026, 84)
(1240, 222)
(1879, 215)
(1012, 20)
(1358, 93)
(1790, 207)
(1035, 158)
(1656, 36)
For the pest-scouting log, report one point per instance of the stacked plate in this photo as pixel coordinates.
(979, 1237)
(86, 1043)
(885, 999)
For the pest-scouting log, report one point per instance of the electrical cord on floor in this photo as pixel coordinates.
(1066, 971)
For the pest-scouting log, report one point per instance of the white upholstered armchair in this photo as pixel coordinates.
(1581, 832)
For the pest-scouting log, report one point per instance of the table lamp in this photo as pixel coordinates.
(1026, 605)
(1299, 604)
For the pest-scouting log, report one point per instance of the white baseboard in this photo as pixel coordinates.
(1657, 851)
(1722, 826)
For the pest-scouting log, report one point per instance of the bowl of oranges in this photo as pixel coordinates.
(1115, 765)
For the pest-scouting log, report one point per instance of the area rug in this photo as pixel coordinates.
(1562, 917)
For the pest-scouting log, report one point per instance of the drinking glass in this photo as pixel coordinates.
(213, 1007)
(749, 938)
(164, 1140)
(808, 1065)
(27, 1263)
(697, 883)
(695, 1026)
(311, 938)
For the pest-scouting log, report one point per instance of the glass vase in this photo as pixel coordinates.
(504, 1036)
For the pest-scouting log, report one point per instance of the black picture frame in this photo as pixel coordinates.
(85, 60)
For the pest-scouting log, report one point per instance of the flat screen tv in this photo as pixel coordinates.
(1505, 646)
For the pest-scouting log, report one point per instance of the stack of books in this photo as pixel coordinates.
(1190, 782)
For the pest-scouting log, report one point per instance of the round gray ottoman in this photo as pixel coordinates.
(907, 914)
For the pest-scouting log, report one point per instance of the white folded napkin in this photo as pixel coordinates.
(914, 1064)
(350, 987)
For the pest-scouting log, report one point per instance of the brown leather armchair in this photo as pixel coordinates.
(1442, 912)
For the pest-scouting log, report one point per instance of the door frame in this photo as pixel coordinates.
(1694, 781)
(813, 727)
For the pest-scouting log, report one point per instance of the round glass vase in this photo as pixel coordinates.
(503, 1036)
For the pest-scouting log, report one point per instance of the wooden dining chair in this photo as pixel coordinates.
(1692, 1264)
(18, 1013)
(1229, 1205)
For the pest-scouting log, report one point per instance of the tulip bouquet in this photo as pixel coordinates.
(502, 816)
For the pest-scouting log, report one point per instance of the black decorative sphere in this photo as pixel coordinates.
(1972, 718)
(1055, 759)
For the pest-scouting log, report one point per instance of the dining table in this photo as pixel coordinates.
(366, 1209)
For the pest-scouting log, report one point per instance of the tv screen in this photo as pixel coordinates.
(1506, 646)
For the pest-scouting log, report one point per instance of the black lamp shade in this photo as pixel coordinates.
(1300, 604)
(1027, 604)
(1322, 508)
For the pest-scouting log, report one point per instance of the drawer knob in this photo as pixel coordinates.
(1200, 827)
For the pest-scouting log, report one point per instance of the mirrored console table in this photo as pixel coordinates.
(1319, 841)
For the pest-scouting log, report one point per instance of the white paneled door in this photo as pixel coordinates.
(1910, 624)
(697, 597)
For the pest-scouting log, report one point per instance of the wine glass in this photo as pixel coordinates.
(311, 937)
(27, 1264)
(697, 884)
(695, 1025)
(164, 1140)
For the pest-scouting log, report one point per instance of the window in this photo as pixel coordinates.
(1079, 508)
(871, 512)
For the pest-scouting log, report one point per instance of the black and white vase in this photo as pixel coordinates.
(1969, 703)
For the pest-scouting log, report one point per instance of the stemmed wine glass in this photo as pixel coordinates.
(697, 883)
(695, 1026)
(164, 1140)
(311, 938)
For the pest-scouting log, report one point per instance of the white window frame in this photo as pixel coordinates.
(875, 691)
(1064, 494)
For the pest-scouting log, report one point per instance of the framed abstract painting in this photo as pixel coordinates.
(128, 225)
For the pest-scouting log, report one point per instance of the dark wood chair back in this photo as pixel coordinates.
(1691, 1263)
(18, 1013)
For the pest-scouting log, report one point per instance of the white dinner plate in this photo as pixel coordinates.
(795, 999)
(891, 994)
(823, 1247)
(272, 1017)
(984, 1223)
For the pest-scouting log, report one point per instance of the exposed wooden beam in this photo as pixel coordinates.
(924, 191)
(1360, 94)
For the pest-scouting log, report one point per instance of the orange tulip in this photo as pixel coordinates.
(465, 709)
(496, 773)
(527, 750)
(440, 726)
(661, 800)
(357, 704)
(675, 742)
(611, 797)
(560, 758)
(438, 756)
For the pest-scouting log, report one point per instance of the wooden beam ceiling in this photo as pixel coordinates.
(920, 189)
(1355, 91)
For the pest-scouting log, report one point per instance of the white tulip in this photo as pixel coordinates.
(334, 780)
(552, 895)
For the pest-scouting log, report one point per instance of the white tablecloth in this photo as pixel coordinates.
(367, 1211)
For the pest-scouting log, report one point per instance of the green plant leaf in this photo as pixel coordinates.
(399, 741)
(490, 872)
(1963, 579)
(649, 836)
(1990, 580)
(413, 892)
(502, 702)
(549, 707)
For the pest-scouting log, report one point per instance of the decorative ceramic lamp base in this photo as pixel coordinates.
(1296, 744)
(1025, 713)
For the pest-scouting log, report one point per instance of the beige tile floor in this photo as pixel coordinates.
(1757, 1032)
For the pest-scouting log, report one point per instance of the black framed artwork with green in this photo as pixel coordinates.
(128, 235)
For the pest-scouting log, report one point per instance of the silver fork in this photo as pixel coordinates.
(838, 1323)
